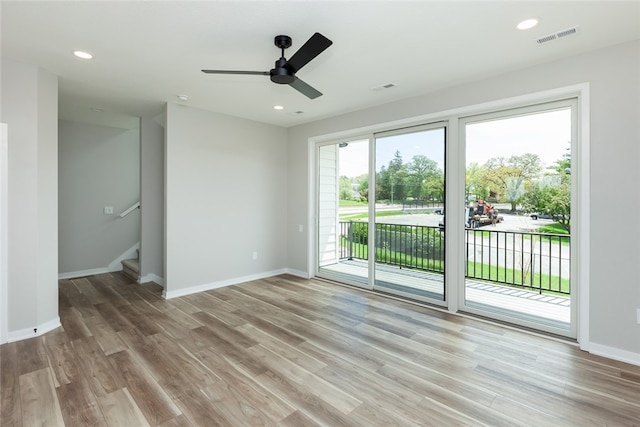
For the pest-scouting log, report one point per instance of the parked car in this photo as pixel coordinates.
(541, 216)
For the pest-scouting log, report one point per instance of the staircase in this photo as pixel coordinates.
(131, 267)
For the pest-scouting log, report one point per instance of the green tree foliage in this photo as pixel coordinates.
(363, 186)
(501, 174)
(551, 195)
(475, 187)
(346, 188)
(423, 177)
(420, 179)
(392, 180)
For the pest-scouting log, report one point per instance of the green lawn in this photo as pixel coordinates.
(352, 203)
(364, 215)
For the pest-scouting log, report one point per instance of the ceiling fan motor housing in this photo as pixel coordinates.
(281, 74)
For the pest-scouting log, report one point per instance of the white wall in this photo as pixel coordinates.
(30, 109)
(152, 199)
(614, 78)
(226, 198)
(99, 167)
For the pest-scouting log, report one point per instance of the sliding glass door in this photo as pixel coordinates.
(512, 251)
(518, 192)
(380, 207)
(343, 211)
(409, 208)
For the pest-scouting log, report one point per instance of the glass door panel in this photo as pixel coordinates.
(342, 203)
(408, 234)
(518, 238)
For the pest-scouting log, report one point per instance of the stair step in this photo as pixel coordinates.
(132, 263)
(131, 267)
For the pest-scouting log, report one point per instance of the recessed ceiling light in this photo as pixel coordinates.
(527, 24)
(183, 97)
(278, 107)
(82, 55)
(97, 110)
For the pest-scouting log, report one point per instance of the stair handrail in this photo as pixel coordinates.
(135, 206)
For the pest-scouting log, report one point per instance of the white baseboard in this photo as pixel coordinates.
(83, 273)
(24, 334)
(116, 264)
(615, 353)
(298, 273)
(220, 284)
(152, 278)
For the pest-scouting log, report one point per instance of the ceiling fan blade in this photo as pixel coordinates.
(256, 73)
(305, 89)
(316, 44)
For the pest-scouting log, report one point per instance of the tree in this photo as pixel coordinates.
(554, 200)
(475, 186)
(501, 173)
(551, 195)
(346, 188)
(514, 188)
(422, 170)
(391, 180)
(363, 186)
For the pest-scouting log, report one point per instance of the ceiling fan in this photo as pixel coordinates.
(285, 70)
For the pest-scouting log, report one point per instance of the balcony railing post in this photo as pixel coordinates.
(350, 240)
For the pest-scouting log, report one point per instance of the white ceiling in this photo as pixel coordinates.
(148, 52)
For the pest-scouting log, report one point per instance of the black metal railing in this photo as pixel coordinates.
(406, 246)
(530, 260)
(421, 204)
(523, 259)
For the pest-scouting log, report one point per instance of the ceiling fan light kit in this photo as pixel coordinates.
(284, 71)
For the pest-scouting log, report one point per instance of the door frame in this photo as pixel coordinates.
(576, 214)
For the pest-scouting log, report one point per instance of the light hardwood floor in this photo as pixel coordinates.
(293, 352)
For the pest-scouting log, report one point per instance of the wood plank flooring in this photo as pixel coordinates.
(286, 351)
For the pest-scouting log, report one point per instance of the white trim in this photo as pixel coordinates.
(27, 333)
(298, 273)
(312, 197)
(4, 240)
(221, 284)
(152, 278)
(584, 253)
(84, 273)
(507, 103)
(615, 353)
(455, 208)
(536, 106)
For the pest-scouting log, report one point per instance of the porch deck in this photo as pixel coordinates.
(549, 309)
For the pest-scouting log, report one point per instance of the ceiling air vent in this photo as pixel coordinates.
(383, 87)
(559, 35)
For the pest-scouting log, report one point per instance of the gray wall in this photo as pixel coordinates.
(98, 166)
(614, 77)
(226, 197)
(152, 199)
(30, 109)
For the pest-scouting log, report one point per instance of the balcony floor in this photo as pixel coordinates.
(552, 310)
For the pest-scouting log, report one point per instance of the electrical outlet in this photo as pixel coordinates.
(255, 256)
(108, 210)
